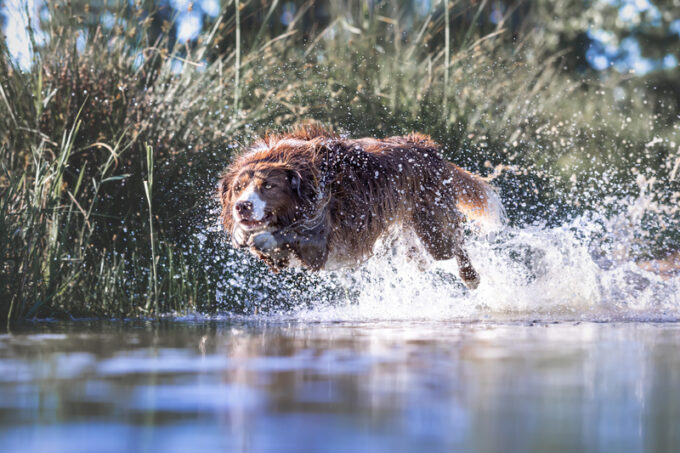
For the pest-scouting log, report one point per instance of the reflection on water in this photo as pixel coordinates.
(261, 385)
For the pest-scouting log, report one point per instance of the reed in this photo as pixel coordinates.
(237, 63)
(112, 122)
(148, 191)
(447, 58)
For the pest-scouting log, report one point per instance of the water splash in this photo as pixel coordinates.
(586, 269)
(546, 274)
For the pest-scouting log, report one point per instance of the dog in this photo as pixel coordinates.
(310, 197)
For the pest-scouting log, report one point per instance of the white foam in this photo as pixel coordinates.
(526, 274)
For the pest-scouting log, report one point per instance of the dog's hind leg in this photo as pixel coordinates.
(444, 240)
(414, 250)
(467, 273)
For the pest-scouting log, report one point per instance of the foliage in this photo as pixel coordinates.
(85, 232)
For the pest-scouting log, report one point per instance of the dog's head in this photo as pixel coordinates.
(259, 197)
(275, 182)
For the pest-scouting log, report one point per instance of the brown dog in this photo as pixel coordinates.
(314, 198)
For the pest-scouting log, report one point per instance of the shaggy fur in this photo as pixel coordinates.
(344, 194)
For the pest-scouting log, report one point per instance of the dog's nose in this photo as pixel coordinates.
(244, 208)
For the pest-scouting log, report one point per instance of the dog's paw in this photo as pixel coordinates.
(470, 277)
(263, 242)
(473, 283)
(239, 238)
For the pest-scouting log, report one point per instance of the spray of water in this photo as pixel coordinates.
(546, 274)
(581, 270)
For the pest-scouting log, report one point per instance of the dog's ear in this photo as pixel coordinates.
(295, 181)
(223, 187)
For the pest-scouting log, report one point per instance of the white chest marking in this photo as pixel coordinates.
(294, 261)
(254, 198)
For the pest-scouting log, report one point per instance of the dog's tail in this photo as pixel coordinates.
(477, 200)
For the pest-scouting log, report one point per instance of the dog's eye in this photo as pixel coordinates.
(237, 188)
(268, 186)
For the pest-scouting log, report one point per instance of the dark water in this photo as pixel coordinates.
(267, 385)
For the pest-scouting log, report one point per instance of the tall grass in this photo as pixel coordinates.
(148, 190)
(111, 142)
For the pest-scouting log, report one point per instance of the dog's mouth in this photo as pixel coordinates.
(252, 225)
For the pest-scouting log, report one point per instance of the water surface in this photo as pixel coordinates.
(278, 385)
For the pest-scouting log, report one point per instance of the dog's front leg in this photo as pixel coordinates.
(239, 237)
(270, 248)
(309, 247)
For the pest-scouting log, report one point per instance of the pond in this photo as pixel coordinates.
(267, 383)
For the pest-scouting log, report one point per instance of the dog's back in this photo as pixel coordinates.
(402, 180)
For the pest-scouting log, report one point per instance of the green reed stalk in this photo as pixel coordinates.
(148, 190)
(447, 63)
(397, 63)
(238, 56)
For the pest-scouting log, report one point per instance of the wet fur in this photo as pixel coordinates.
(350, 192)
